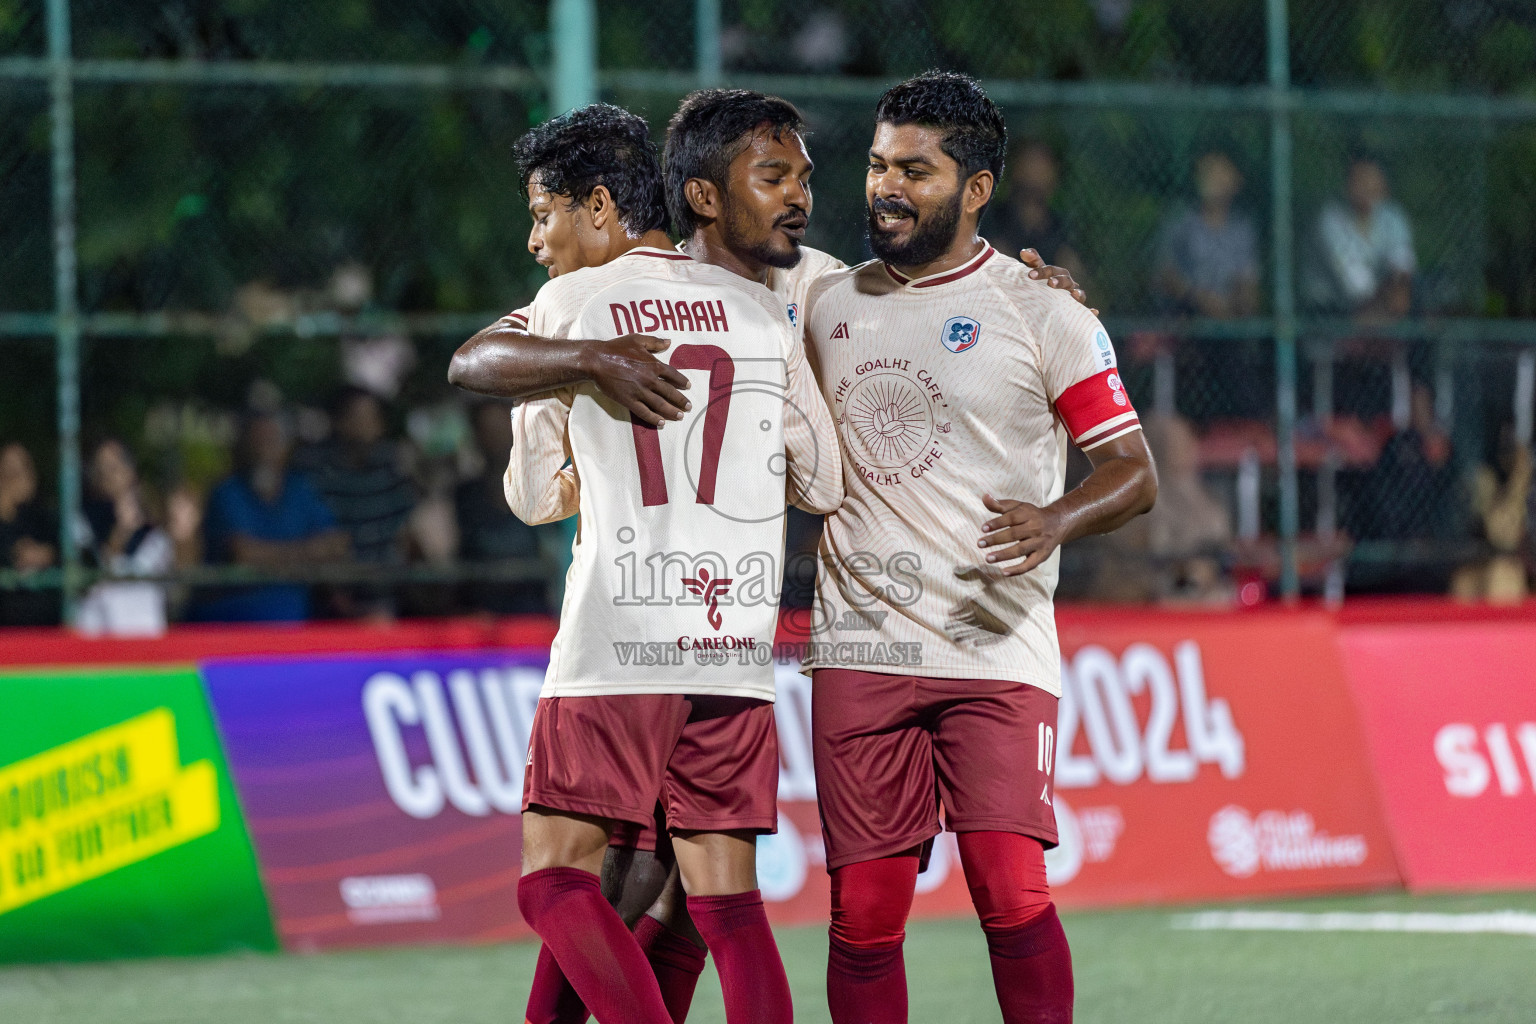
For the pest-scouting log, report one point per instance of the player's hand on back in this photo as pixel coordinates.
(626, 370)
(1056, 277)
(1021, 530)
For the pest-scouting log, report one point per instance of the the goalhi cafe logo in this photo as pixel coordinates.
(97, 804)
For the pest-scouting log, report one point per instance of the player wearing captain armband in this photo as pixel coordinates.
(957, 383)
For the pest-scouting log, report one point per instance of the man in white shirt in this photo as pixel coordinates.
(1366, 244)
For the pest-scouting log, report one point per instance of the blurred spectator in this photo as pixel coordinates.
(488, 531)
(1027, 220)
(1366, 247)
(116, 532)
(266, 516)
(1501, 497)
(1208, 256)
(1406, 495)
(360, 475)
(1180, 551)
(28, 539)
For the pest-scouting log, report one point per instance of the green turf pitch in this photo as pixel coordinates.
(1131, 966)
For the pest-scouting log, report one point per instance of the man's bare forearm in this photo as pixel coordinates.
(1121, 487)
(504, 361)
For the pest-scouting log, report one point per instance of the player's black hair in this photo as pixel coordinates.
(710, 129)
(599, 144)
(975, 135)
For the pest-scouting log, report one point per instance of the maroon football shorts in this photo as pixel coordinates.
(639, 837)
(890, 749)
(714, 761)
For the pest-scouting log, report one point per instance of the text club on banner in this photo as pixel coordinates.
(1450, 717)
(119, 831)
(1204, 756)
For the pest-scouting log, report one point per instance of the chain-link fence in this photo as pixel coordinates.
(1309, 225)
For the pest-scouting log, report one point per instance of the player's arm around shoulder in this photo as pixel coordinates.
(531, 351)
(539, 486)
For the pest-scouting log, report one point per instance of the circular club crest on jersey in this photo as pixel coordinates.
(960, 333)
(793, 309)
(890, 419)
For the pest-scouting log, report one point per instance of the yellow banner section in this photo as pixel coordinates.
(97, 804)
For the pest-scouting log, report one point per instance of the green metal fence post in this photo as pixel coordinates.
(66, 293)
(1282, 229)
(706, 42)
(573, 34)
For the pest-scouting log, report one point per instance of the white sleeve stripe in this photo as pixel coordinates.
(1089, 446)
(1109, 424)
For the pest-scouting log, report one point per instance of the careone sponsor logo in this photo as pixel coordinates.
(1243, 844)
(389, 899)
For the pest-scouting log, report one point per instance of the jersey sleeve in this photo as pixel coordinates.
(553, 311)
(539, 486)
(517, 320)
(815, 464)
(1082, 378)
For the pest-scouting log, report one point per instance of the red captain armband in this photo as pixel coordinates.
(1097, 409)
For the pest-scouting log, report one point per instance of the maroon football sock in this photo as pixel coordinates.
(752, 979)
(866, 984)
(565, 906)
(676, 961)
(1031, 964)
(1032, 970)
(552, 1000)
(866, 973)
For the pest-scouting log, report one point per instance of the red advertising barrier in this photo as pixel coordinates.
(1208, 756)
(1449, 711)
(1199, 756)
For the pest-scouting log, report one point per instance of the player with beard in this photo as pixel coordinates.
(957, 382)
(738, 182)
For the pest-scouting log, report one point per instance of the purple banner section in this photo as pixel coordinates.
(383, 792)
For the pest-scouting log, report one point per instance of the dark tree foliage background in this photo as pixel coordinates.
(189, 194)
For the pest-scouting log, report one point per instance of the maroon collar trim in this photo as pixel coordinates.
(969, 267)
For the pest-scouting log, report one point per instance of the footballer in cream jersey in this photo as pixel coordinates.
(946, 388)
(673, 587)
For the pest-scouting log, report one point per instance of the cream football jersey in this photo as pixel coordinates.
(674, 580)
(793, 284)
(945, 389)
